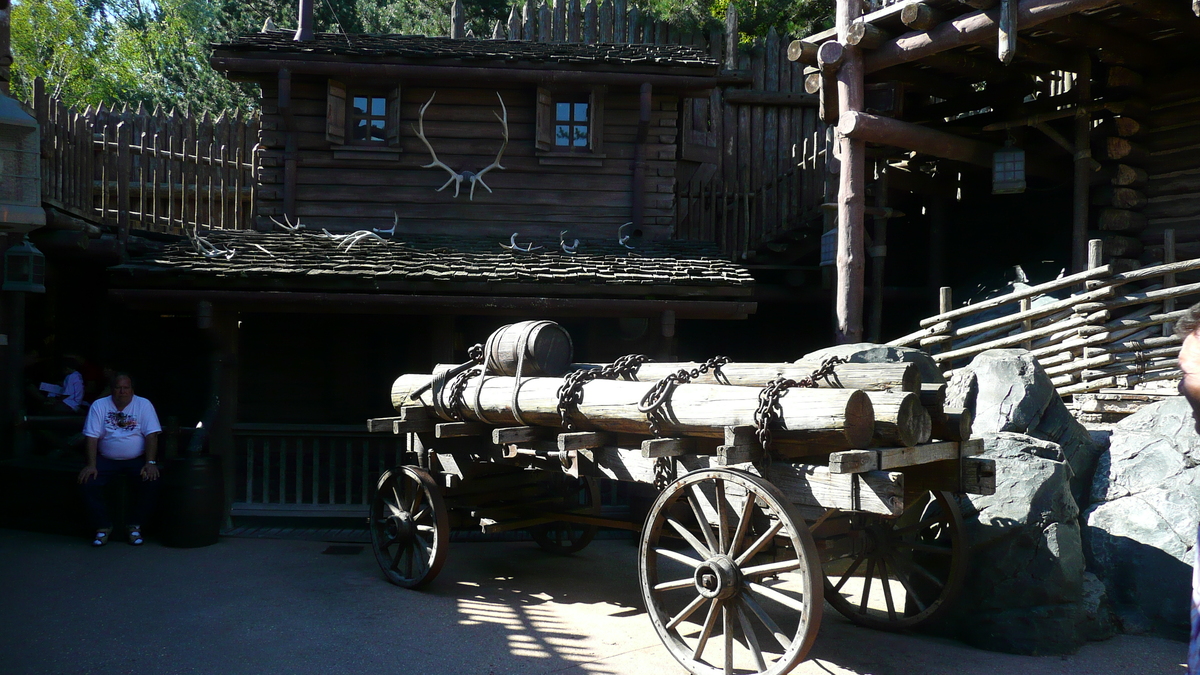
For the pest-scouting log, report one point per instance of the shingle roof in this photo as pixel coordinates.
(419, 47)
(428, 258)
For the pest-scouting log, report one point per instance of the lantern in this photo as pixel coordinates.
(1008, 170)
(20, 170)
(24, 268)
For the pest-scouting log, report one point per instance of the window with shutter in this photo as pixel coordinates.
(393, 118)
(699, 137)
(335, 112)
(570, 123)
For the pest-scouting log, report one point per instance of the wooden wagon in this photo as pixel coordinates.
(779, 486)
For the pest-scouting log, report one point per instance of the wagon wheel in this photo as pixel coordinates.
(410, 527)
(565, 538)
(916, 563)
(743, 596)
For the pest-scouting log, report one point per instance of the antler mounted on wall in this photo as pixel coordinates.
(456, 177)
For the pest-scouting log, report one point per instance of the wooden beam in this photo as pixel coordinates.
(921, 17)
(1126, 48)
(803, 51)
(776, 98)
(668, 447)
(866, 36)
(887, 131)
(829, 60)
(975, 28)
(851, 253)
(384, 303)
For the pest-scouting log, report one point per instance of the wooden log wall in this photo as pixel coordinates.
(1169, 133)
(769, 178)
(343, 190)
(159, 171)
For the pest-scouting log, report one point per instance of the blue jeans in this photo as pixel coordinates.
(93, 490)
(1193, 661)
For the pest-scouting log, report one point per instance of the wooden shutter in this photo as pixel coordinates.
(393, 118)
(544, 138)
(596, 127)
(335, 112)
(698, 137)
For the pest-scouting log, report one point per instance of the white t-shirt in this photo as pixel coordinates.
(122, 433)
(72, 391)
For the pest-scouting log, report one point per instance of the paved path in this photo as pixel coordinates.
(273, 606)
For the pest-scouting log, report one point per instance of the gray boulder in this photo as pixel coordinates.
(869, 352)
(1025, 590)
(1007, 390)
(1141, 527)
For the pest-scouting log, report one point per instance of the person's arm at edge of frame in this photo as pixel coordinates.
(89, 471)
(150, 468)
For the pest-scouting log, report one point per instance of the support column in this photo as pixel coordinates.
(1083, 166)
(13, 305)
(878, 253)
(223, 335)
(852, 179)
(441, 339)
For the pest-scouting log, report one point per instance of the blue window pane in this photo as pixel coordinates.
(360, 130)
(579, 137)
(581, 112)
(377, 132)
(562, 135)
(360, 105)
(378, 107)
(562, 112)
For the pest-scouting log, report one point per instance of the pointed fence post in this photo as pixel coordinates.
(458, 20)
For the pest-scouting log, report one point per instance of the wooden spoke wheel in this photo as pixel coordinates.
(410, 527)
(565, 538)
(730, 575)
(895, 573)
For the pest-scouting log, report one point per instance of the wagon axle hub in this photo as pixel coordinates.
(400, 526)
(718, 577)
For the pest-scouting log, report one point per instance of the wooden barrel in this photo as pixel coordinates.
(194, 497)
(546, 346)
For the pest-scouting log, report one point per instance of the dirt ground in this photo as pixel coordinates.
(282, 606)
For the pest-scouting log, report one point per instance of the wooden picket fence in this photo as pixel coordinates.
(1115, 330)
(159, 171)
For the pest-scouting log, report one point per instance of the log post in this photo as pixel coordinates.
(829, 60)
(1007, 43)
(878, 253)
(921, 17)
(851, 184)
(1168, 278)
(802, 51)
(1083, 164)
(223, 338)
(945, 304)
(458, 20)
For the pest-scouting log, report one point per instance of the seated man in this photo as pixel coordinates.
(122, 438)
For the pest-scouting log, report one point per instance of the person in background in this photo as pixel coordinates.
(1188, 328)
(122, 439)
(71, 399)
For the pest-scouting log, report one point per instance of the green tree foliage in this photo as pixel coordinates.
(155, 52)
(791, 18)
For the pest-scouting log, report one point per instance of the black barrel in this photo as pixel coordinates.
(194, 501)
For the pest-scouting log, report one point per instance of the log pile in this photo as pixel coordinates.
(844, 443)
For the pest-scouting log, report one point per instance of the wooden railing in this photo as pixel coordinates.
(1113, 330)
(737, 218)
(166, 172)
(318, 470)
